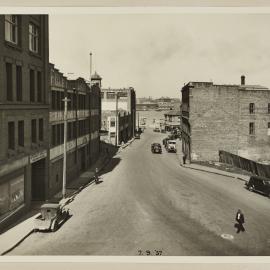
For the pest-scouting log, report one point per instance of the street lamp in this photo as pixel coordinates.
(66, 100)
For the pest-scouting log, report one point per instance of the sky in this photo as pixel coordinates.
(158, 53)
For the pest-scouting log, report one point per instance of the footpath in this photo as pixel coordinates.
(207, 169)
(193, 166)
(11, 238)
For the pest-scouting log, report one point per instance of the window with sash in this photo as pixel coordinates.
(11, 28)
(33, 38)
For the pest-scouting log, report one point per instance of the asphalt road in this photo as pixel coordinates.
(148, 204)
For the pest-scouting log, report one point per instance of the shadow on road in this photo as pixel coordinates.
(112, 164)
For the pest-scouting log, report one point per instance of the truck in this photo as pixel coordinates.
(171, 146)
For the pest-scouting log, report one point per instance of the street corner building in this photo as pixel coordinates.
(83, 125)
(232, 119)
(118, 114)
(24, 113)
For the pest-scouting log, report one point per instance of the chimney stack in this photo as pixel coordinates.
(243, 80)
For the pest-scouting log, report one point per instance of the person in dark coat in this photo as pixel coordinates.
(96, 176)
(184, 158)
(240, 221)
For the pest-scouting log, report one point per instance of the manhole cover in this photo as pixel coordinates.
(227, 236)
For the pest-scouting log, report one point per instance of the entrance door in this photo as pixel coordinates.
(38, 180)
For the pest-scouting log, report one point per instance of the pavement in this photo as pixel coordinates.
(11, 238)
(207, 169)
(202, 168)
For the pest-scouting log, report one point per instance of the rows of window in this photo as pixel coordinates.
(74, 130)
(58, 79)
(252, 108)
(58, 103)
(13, 33)
(14, 75)
(37, 133)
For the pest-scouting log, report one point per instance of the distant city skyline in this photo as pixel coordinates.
(157, 53)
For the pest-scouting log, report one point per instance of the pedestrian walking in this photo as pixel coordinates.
(240, 221)
(184, 158)
(96, 176)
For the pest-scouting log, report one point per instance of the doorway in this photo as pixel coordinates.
(38, 180)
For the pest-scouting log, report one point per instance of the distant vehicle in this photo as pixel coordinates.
(52, 216)
(156, 129)
(163, 131)
(137, 135)
(156, 148)
(259, 184)
(171, 146)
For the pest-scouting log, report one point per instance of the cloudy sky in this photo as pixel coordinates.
(158, 53)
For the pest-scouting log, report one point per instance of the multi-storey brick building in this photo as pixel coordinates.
(24, 112)
(83, 116)
(118, 109)
(233, 118)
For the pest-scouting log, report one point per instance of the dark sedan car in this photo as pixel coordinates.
(156, 148)
(259, 184)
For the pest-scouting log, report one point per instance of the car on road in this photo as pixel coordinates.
(156, 129)
(259, 184)
(51, 217)
(137, 135)
(156, 148)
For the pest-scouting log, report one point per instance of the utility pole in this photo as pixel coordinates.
(65, 149)
(116, 118)
(90, 78)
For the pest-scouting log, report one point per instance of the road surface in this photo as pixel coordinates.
(148, 204)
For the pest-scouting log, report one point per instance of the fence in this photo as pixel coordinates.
(245, 164)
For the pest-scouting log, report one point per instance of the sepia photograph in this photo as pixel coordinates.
(134, 132)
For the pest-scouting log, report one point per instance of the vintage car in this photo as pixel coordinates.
(259, 184)
(52, 216)
(171, 146)
(156, 148)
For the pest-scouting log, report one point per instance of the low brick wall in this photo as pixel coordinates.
(245, 164)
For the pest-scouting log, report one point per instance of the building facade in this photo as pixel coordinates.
(83, 124)
(24, 113)
(233, 118)
(118, 114)
(172, 120)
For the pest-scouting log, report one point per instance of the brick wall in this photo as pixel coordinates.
(213, 121)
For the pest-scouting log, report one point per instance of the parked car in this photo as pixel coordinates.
(259, 184)
(156, 129)
(156, 148)
(52, 216)
(137, 135)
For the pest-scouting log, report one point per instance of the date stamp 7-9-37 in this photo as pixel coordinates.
(150, 252)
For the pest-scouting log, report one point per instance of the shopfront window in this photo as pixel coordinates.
(11, 195)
